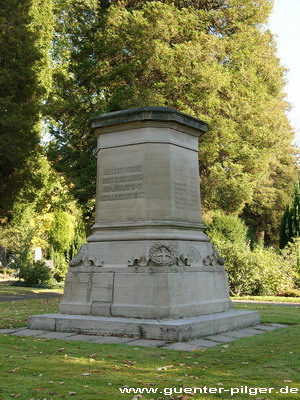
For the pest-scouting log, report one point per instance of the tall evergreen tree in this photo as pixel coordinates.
(290, 224)
(211, 59)
(26, 30)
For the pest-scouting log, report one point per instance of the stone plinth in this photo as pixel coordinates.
(148, 257)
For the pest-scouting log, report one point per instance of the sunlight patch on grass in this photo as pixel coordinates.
(277, 299)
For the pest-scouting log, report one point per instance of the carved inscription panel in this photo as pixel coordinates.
(123, 183)
(186, 188)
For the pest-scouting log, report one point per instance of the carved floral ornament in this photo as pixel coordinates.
(213, 259)
(164, 254)
(82, 257)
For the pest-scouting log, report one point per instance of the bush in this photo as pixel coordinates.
(290, 293)
(36, 274)
(257, 272)
(7, 271)
(227, 228)
(291, 254)
(261, 271)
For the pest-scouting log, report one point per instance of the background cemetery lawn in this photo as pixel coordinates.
(33, 368)
(273, 299)
(15, 290)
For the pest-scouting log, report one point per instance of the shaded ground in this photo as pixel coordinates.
(32, 296)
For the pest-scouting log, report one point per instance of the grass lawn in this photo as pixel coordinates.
(14, 313)
(43, 369)
(6, 289)
(269, 298)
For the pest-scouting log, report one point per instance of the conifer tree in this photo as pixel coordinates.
(290, 224)
(212, 59)
(26, 31)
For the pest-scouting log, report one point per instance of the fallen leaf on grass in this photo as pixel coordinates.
(287, 381)
(72, 393)
(164, 368)
(129, 362)
(14, 370)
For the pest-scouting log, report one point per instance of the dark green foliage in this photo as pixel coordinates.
(36, 274)
(290, 293)
(32, 273)
(7, 271)
(65, 237)
(290, 224)
(228, 228)
(24, 61)
(258, 271)
(210, 59)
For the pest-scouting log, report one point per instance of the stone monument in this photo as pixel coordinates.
(148, 269)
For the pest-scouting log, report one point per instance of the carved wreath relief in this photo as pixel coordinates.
(164, 254)
(213, 259)
(82, 257)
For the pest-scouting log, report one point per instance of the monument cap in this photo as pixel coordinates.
(140, 114)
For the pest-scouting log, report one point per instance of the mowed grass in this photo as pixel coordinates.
(273, 299)
(7, 290)
(39, 369)
(274, 313)
(15, 313)
(49, 369)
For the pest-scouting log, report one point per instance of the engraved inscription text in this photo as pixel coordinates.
(123, 183)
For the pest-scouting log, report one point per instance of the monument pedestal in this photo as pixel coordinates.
(148, 269)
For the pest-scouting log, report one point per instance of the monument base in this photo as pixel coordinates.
(166, 329)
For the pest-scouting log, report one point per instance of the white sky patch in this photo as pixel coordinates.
(285, 24)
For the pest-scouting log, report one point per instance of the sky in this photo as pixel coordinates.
(285, 24)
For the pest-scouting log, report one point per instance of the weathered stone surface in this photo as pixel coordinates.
(148, 269)
(8, 331)
(56, 335)
(237, 334)
(181, 346)
(168, 329)
(202, 343)
(29, 332)
(112, 340)
(251, 331)
(267, 327)
(146, 343)
(221, 338)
